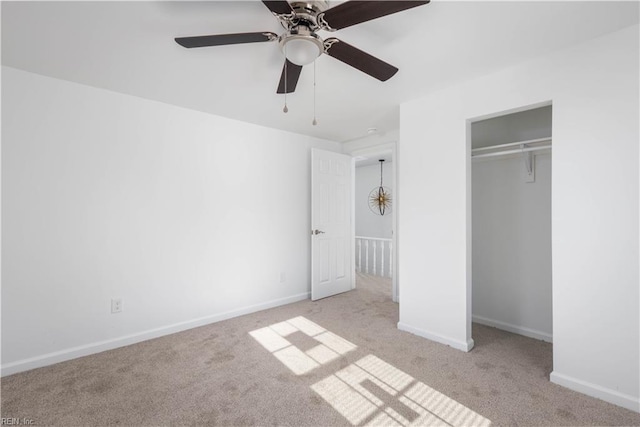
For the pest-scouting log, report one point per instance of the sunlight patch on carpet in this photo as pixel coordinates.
(329, 345)
(373, 392)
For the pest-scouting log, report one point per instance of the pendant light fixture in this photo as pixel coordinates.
(380, 197)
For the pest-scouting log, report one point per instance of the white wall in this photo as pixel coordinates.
(594, 90)
(188, 217)
(369, 224)
(512, 245)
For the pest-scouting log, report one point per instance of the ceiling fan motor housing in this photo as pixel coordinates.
(308, 11)
(300, 44)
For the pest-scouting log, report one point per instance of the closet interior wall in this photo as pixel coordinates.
(511, 226)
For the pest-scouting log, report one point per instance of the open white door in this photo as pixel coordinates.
(331, 268)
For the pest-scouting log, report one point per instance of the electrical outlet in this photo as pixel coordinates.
(116, 305)
(283, 277)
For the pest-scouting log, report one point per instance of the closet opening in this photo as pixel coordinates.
(511, 276)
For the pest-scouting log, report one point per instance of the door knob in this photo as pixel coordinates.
(316, 232)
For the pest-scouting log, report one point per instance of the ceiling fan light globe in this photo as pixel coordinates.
(302, 50)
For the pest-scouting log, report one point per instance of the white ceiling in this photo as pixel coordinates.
(128, 47)
(374, 159)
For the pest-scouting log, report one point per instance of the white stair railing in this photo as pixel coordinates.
(375, 260)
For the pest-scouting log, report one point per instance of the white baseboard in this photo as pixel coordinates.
(599, 392)
(459, 345)
(520, 330)
(100, 346)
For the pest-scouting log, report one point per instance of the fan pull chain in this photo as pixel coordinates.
(285, 109)
(314, 122)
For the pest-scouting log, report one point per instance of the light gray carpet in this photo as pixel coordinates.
(221, 375)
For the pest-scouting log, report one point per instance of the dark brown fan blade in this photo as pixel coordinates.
(356, 11)
(224, 39)
(292, 73)
(358, 59)
(279, 6)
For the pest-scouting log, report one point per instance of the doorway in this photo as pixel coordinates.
(374, 226)
(511, 222)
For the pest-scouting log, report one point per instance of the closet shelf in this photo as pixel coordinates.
(505, 149)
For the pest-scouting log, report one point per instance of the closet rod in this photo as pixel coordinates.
(515, 151)
(511, 144)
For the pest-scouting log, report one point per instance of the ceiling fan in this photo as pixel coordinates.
(300, 43)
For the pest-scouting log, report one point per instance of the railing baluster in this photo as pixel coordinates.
(375, 264)
(382, 258)
(391, 259)
(366, 255)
